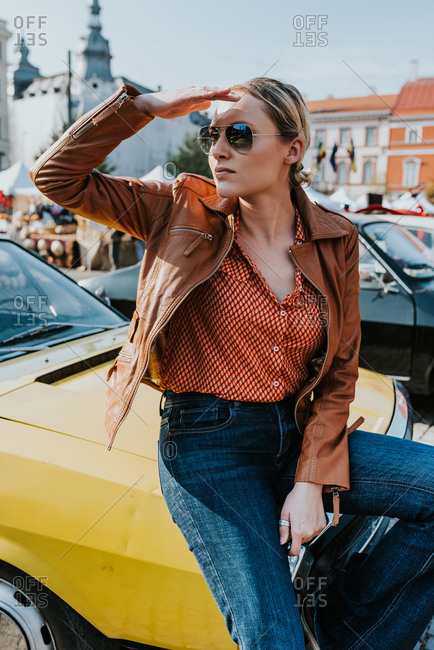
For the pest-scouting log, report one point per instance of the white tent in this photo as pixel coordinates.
(16, 180)
(409, 202)
(325, 200)
(341, 197)
(157, 174)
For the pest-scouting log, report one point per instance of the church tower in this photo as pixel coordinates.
(93, 53)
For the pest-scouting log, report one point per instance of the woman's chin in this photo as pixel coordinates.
(226, 190)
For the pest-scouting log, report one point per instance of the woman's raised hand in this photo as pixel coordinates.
(176, 103)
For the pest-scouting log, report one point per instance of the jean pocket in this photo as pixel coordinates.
(186, 418)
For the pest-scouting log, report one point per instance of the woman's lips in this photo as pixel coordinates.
(221, 173)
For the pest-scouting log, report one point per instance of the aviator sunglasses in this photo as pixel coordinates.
(239, 136)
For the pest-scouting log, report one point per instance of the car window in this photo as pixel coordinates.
(373, 274)
(425, 235)
(32, 294)
(411, 254)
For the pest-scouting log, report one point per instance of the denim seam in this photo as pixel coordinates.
(205, 549)
(392, 605)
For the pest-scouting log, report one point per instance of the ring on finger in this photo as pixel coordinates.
(284, 522)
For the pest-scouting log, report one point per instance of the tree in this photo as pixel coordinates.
(106, 167)
(190, 157)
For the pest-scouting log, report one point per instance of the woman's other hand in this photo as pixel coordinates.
(304, 508)
(176, 103)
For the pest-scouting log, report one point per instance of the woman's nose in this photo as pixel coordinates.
(221, 148)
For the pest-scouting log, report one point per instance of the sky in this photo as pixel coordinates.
(338, 48)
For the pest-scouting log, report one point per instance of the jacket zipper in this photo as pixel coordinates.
(81, 129)
(195, 243)
(334, 488)
(175, 305)
(316, 382)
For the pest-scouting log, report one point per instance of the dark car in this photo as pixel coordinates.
(396, 300)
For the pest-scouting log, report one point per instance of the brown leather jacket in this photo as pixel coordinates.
(172, 266)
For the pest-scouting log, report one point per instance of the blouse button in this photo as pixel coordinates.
(283, 313)
(275, 383)
(276, 348)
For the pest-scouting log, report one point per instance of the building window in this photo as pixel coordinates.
(342, 173)
(370, 136)
(344, 138)
(319, 137)
(410, 177)
(367, 172)
(1, 160)
(413, 134)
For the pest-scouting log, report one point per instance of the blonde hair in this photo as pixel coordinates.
(284, 104)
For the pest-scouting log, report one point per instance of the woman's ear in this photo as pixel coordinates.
(294, 151)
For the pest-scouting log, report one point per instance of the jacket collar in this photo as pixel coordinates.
(319, 222)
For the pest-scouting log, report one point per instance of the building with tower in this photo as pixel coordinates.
(39, 105)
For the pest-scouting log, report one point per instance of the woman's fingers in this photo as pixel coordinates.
(176, 103)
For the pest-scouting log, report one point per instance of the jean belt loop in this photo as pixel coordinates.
(161, 400)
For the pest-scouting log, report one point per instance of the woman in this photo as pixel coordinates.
(247, 306)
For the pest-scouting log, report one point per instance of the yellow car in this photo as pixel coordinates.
(89, 554)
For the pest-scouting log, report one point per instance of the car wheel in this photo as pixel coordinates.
(32, 617)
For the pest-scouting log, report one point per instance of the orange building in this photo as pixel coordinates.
(410, 164)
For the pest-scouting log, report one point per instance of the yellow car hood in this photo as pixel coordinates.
(74, 405)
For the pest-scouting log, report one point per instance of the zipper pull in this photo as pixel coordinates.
(336, 501)
(122, 99)
(195, 243)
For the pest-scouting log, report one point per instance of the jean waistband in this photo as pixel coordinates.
(172, 398)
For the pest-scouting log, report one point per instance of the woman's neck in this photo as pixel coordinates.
(266, 219)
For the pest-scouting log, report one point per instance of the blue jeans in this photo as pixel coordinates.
(226, 468)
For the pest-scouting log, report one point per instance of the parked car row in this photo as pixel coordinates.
(89, 554)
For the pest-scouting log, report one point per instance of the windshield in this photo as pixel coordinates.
(411, 254)
(38, 304)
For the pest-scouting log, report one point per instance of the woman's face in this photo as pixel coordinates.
(265, 168)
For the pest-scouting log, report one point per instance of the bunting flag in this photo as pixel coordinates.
(320, 155)
(351, 151)
(333, 157)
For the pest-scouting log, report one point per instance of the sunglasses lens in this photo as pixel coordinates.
(240, 137)
(207, 137)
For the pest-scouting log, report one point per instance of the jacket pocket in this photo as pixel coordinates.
(200, 237)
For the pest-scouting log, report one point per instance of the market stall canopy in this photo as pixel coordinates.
(342, 197)
(158, 174)
(16, 180)
(408, 201)
(323, 199)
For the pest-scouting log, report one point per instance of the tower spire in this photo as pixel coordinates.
(94, 50)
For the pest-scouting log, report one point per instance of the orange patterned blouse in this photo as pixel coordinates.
(231, 336)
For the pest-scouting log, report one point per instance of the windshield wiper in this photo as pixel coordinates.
(417, 266)
(42, 329)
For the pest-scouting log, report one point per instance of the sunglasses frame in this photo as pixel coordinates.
(242, 149)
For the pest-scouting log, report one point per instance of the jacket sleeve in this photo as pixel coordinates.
(65, 172)
(324, 456)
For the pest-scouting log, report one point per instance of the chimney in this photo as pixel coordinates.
(413, 69)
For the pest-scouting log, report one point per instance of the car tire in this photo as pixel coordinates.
(32, 617)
